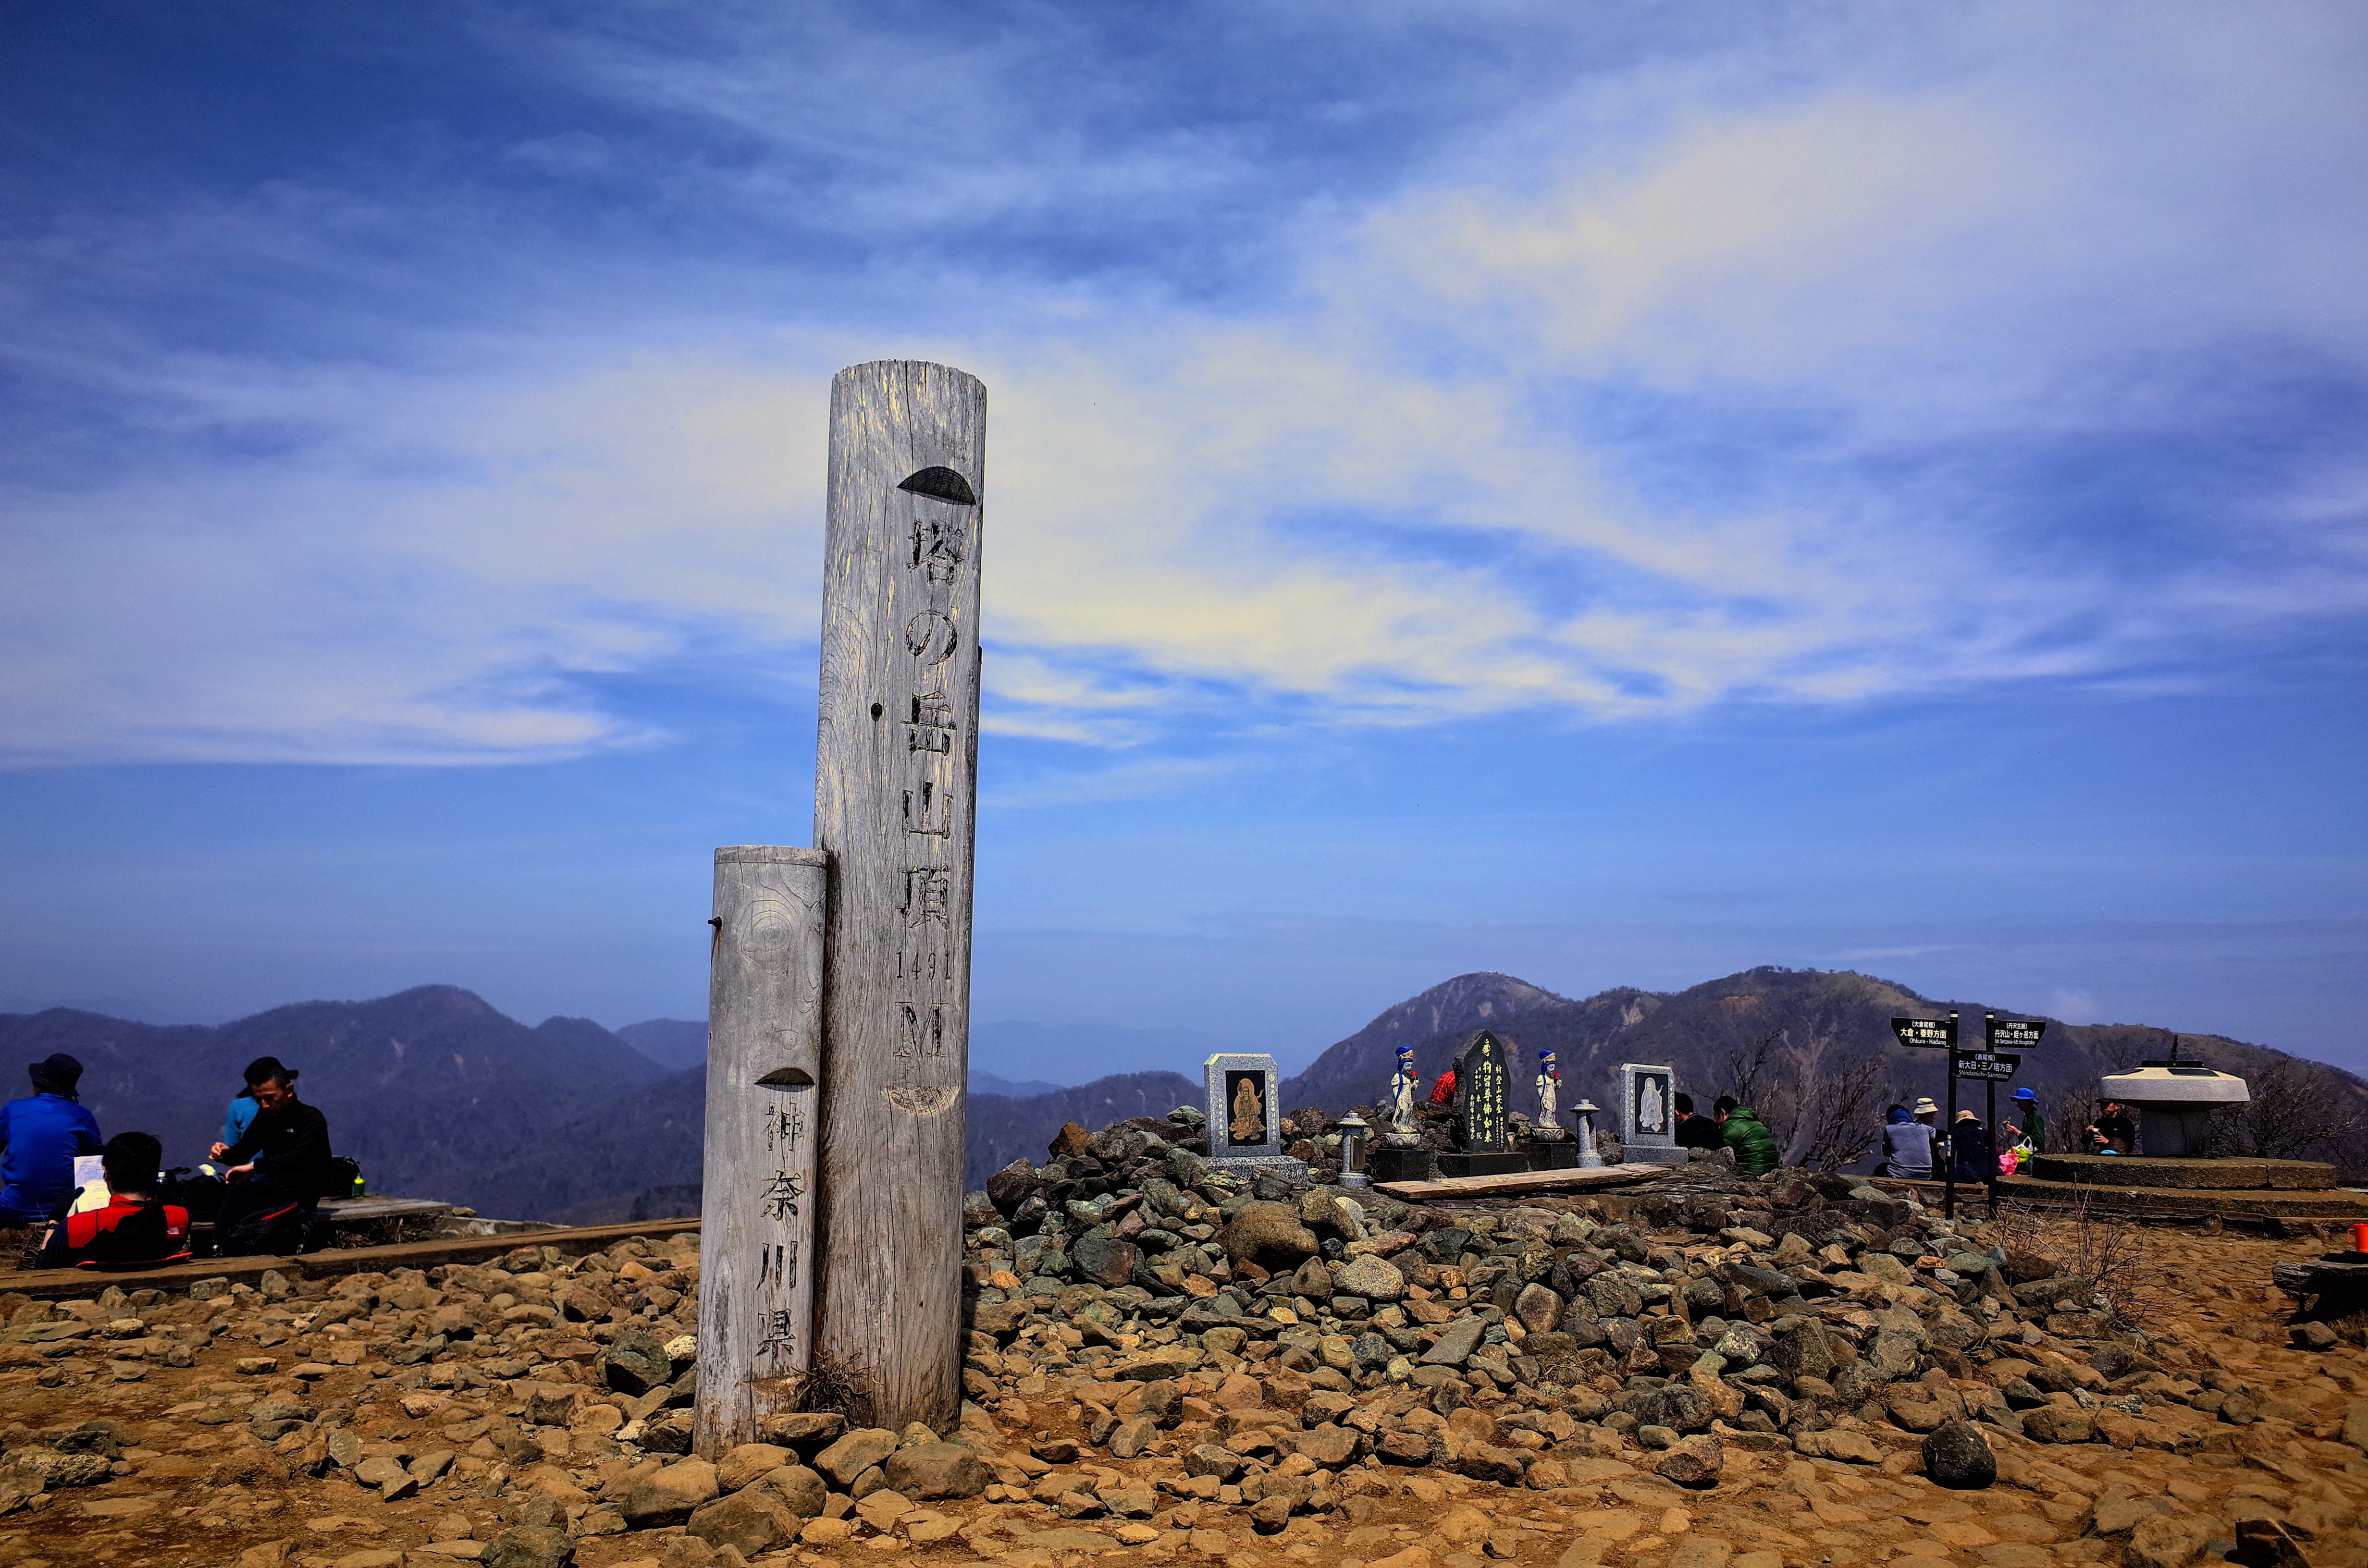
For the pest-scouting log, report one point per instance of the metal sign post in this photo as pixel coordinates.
(1999, 1067)
(1935, 1034)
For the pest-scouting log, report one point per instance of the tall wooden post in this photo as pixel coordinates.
(764, 1061)
(896, 785)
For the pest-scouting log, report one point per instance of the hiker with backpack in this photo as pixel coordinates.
(135, 1230)
(277, 1170)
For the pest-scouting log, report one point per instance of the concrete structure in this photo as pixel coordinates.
(2174, 1101)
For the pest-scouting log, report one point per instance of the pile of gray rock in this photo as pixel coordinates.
(1258, 1330)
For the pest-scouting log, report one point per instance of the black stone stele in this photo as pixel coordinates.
(1481, 1086)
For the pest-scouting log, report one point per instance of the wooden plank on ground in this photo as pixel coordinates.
(360, 1210)
(572, 1240)
(63, 1284)
(1517, 1182)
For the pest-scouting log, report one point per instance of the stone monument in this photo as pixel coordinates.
(1648, 1113)
(1244, 1118)
(1484, 1135)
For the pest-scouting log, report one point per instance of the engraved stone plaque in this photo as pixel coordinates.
(1245, 1116)
(1648, 1113)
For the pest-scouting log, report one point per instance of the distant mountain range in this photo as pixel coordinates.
(426, 1089)
(1805, 1040)
(675, 1044)
(438, 1095)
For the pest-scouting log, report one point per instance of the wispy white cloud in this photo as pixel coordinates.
(1719, 378)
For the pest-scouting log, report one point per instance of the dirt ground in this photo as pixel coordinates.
(194, 1486)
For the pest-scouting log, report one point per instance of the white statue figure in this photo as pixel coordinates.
(1402, 1088)
(1649, 1117)
(1549, 1080)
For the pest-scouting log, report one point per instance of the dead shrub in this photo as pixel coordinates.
(2105, 1250)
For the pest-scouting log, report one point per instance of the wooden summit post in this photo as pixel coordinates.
(895, 786)
(763, 1057)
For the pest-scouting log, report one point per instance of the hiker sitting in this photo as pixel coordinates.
(135, 1230)
(40, 1136)
(241, 1113)
(1696, 1131)
(276, 1171)
(1906, 1146)
(1756, 1149)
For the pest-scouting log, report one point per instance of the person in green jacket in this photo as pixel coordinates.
(1756, 1152)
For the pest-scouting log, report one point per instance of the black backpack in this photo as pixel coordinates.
(276, 1229)
(201, 1195)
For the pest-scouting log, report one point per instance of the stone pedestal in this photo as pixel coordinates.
(1386, 1164)
(1487, 1163)
(1555, 1154)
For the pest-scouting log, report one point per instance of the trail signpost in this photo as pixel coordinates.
(1985, 1064)
(2000, 1036)
(1991, 1066)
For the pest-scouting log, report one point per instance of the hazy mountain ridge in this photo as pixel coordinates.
(439, 1095)
(1821, 1025)
(415, 1084)
(675, 1044)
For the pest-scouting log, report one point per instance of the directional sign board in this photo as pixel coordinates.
(1987, 1064)
(2013, 1034)
(1936, 1033)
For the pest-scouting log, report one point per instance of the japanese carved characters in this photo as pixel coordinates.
(763, 1058)
(1481, 1080)
(895, 770)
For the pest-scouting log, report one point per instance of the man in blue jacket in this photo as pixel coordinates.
(39, 1137)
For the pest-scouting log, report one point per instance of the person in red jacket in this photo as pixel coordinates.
(134, 1231)
(1443, 1092)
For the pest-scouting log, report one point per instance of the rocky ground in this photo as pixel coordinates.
(1711, 1372)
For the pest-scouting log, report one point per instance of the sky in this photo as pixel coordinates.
(1615, 493)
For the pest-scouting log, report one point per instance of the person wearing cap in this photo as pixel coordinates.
(277, 1170)
(1906, 1146)
(240, 1116)
(2027, 1132)
(1970, 1154)
(39, 1137)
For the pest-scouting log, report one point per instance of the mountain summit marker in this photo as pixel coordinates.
(895, 793)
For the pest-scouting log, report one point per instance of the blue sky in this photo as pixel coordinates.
(1613, 494)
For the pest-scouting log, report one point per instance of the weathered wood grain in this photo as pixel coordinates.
(64, 1284)
(895, 782)
(764, 1062)
(1519, 1182)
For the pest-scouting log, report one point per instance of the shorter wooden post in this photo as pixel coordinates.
(764, 1070)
